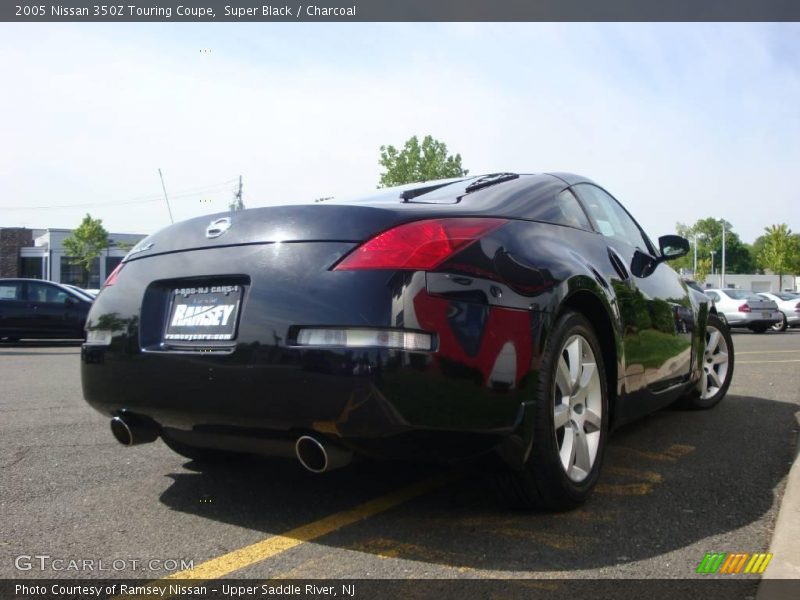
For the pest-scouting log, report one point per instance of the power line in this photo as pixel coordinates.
(137, 200)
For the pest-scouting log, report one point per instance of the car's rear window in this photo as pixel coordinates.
(437, 192)
(742, 295)
(788, 296)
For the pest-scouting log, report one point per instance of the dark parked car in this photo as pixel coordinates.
(523, 316)
(32, 308)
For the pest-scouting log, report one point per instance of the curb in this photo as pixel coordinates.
(785, 545)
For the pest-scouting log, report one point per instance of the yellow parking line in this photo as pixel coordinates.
(761, 362)
(276, 544)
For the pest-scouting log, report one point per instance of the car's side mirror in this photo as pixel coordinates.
(673, 246)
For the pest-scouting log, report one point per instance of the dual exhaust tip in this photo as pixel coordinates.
(130, 431)
(316, 455)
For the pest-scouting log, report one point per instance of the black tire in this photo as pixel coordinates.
(782, 325)
(542, 482)
(758, 329)
(197, 453)
(702, 400)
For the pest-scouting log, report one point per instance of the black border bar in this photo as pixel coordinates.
(398, 10)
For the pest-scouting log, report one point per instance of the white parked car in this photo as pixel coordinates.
(789, 305)
(742, 308)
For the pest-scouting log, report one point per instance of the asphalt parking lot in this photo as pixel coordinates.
(675, 486)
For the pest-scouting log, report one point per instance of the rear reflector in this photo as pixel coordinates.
(365, 338)
(420, 245)
(112, 279)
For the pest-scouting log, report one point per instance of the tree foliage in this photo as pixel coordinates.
(418, 162)
(779, 250)
(738, 256)
(87, 243)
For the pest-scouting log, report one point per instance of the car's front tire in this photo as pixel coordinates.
(570, 413)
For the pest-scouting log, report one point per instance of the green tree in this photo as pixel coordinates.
(418, 162)
(738, 257)
(778, 251)
(703, 270)
(86, 244)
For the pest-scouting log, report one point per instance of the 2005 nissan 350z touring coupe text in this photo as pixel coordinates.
(519, 316)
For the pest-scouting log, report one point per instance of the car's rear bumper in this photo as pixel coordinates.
(463, 398)
(753, 319)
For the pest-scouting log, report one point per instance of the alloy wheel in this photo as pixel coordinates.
(715, 363)
(577, 408)
(780, 325)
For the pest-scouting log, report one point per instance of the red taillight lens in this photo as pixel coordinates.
(112, 279)
(797, 306)
(745, 308)
(419, 245)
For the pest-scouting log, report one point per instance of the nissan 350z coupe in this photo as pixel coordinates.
(518, 316)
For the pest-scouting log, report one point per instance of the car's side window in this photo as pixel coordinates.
(9, 291)
(610, 218)
(713, 295)
(563, 209)
(41, 292)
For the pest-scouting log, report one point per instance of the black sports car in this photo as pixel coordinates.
(519, 315)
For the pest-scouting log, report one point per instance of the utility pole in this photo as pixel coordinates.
(237, 203)
(163, 187)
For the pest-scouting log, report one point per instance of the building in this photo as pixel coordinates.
(40, 254)
(767, 282)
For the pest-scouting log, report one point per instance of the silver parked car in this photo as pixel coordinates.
(789, 305)
(742, 308)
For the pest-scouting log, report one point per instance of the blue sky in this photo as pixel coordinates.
(679, 121)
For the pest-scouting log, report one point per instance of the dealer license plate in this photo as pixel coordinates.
(203, 313)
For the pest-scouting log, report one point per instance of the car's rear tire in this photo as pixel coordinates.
(197, 453)
(718, 361)
(781, 325)
(570, 422)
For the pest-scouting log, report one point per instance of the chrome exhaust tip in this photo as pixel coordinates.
(318, 456)
(130, 431)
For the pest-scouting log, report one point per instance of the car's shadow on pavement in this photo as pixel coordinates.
(19, 348)
(669, 481)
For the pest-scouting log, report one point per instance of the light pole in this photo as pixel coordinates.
(713, 252)
(697, 236)
(722, 276)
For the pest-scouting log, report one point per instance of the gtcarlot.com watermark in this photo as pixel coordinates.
(47, 563)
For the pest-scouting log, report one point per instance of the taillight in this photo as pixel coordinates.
(797, 306)
(112, 279)
(745, 308)
(420, 245)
